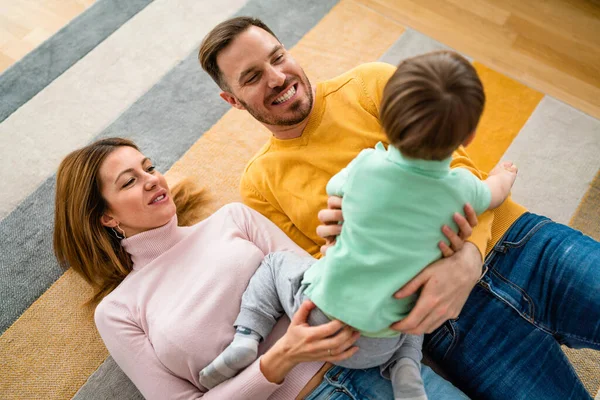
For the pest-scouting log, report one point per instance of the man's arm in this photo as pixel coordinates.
(253, 199)
(482, 233)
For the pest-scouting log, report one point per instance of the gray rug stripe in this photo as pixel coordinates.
(40, 67)
(108, 382)
(557, 154)
(165, 122)
(412, 43)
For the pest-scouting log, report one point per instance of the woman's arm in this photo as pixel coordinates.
(128, 344)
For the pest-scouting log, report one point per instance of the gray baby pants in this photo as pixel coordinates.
(276, 289)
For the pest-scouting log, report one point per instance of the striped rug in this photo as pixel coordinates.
(132, 71)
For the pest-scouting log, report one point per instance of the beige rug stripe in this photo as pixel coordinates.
(331, 48)
(67, 346)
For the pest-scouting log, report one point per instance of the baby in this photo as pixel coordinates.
(394, 200)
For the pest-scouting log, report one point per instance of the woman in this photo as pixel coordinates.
(170, 294)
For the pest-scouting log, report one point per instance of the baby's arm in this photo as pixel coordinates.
(500, 181)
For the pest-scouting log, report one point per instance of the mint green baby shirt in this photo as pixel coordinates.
(394, 208)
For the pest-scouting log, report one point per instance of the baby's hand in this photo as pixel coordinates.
(508, 169)
(505, 167)
(500, 182)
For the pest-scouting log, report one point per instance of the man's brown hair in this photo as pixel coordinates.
(219, 38)
(432, 104)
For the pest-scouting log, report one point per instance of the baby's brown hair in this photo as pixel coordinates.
(431, 105)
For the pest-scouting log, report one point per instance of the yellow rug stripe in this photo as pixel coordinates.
(51, 350)
(508, 106)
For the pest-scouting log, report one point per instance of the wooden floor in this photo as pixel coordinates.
(25, 24)
(550, 45)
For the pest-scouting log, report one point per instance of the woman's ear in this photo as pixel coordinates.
(108, 221)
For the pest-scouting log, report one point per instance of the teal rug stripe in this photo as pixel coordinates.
(165, 123)
(39, 68)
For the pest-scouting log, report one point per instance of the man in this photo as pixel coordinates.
(513, 319)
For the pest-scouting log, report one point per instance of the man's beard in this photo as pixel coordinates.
(299, 109)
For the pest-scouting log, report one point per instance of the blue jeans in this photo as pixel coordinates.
(367, 384)
(541, 290)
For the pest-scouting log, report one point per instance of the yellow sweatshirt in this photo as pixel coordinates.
(285, 181)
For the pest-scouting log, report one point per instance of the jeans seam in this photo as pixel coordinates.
(437, 337)
(525, 295)
(340, 390)
(567, 335)
(488, 260)
(498, 247)
(453, 334)
(487, 287)
(338, 385)
(530, 320)
(525, 238)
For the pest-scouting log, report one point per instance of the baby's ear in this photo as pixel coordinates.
(469, 140)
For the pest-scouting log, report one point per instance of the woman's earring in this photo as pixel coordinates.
(119, 232)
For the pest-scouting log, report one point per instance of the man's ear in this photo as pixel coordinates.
(108, 221)
(232, 100)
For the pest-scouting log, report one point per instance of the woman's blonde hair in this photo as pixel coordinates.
(80, 240)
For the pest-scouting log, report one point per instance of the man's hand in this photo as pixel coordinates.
(331, 218)
(444, 288)
(465, 228)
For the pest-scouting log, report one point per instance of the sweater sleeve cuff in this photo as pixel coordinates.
(482, 233)
(255, 384)
(249, 384)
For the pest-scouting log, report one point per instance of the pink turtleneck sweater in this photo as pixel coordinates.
(173, 314)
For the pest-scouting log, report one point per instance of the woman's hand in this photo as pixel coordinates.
(328, 342)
